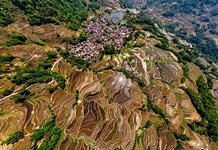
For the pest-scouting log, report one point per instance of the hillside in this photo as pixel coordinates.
(193, 21)
(89, 75)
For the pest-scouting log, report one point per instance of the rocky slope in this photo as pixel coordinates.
(131, 96)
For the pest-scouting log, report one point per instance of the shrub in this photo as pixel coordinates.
(51, 55)
(51, 89)
(182, 137)
(22, 96)
(7, 59)
(16, 39)
(59, 79)
(185, 70)
(49, 130)
(148, 124)
(41, 43)
(214, 71)
(79, 62)
(209, 82)
(183, 79)
(7, 92)
(109, 49)
(179, 146)
(14, 137)
(83, 36)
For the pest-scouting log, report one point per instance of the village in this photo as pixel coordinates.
(103, 31)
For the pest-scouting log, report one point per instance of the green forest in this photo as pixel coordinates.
(71, 12)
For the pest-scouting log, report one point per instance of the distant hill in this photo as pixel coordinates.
(194, 21)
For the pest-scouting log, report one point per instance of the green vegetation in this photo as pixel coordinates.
(203, 44)
(205, 105)
(156, 109)
(214, 71)
(182, 7)
(77, 95)
(29, 76)
(75, 40)
(40, 74)
(51, 89)
(5, 59)
(76, 98)
(51, 55)
(143, 19)
(41, 43)
(109, 49)
(59, 79)
(138, 140)
(183, 79)
(14, 137)
(210, 82)
(182, 137)
(6, 16)
(148, 124)
(150, 26)
(94, 6)
(20, 39)
(49, 132)
(15, 39)
(72, 12)
(79, 62)
(8, 91)
(185, 70)
(179, 145)
(22, 96)
(118, 148)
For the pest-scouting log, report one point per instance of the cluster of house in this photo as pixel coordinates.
(103, 31)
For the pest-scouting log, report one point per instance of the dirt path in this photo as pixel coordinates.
(17, 92)
(144, 65)
(56, 63)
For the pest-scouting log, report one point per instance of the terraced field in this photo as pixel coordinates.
(133, 99)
